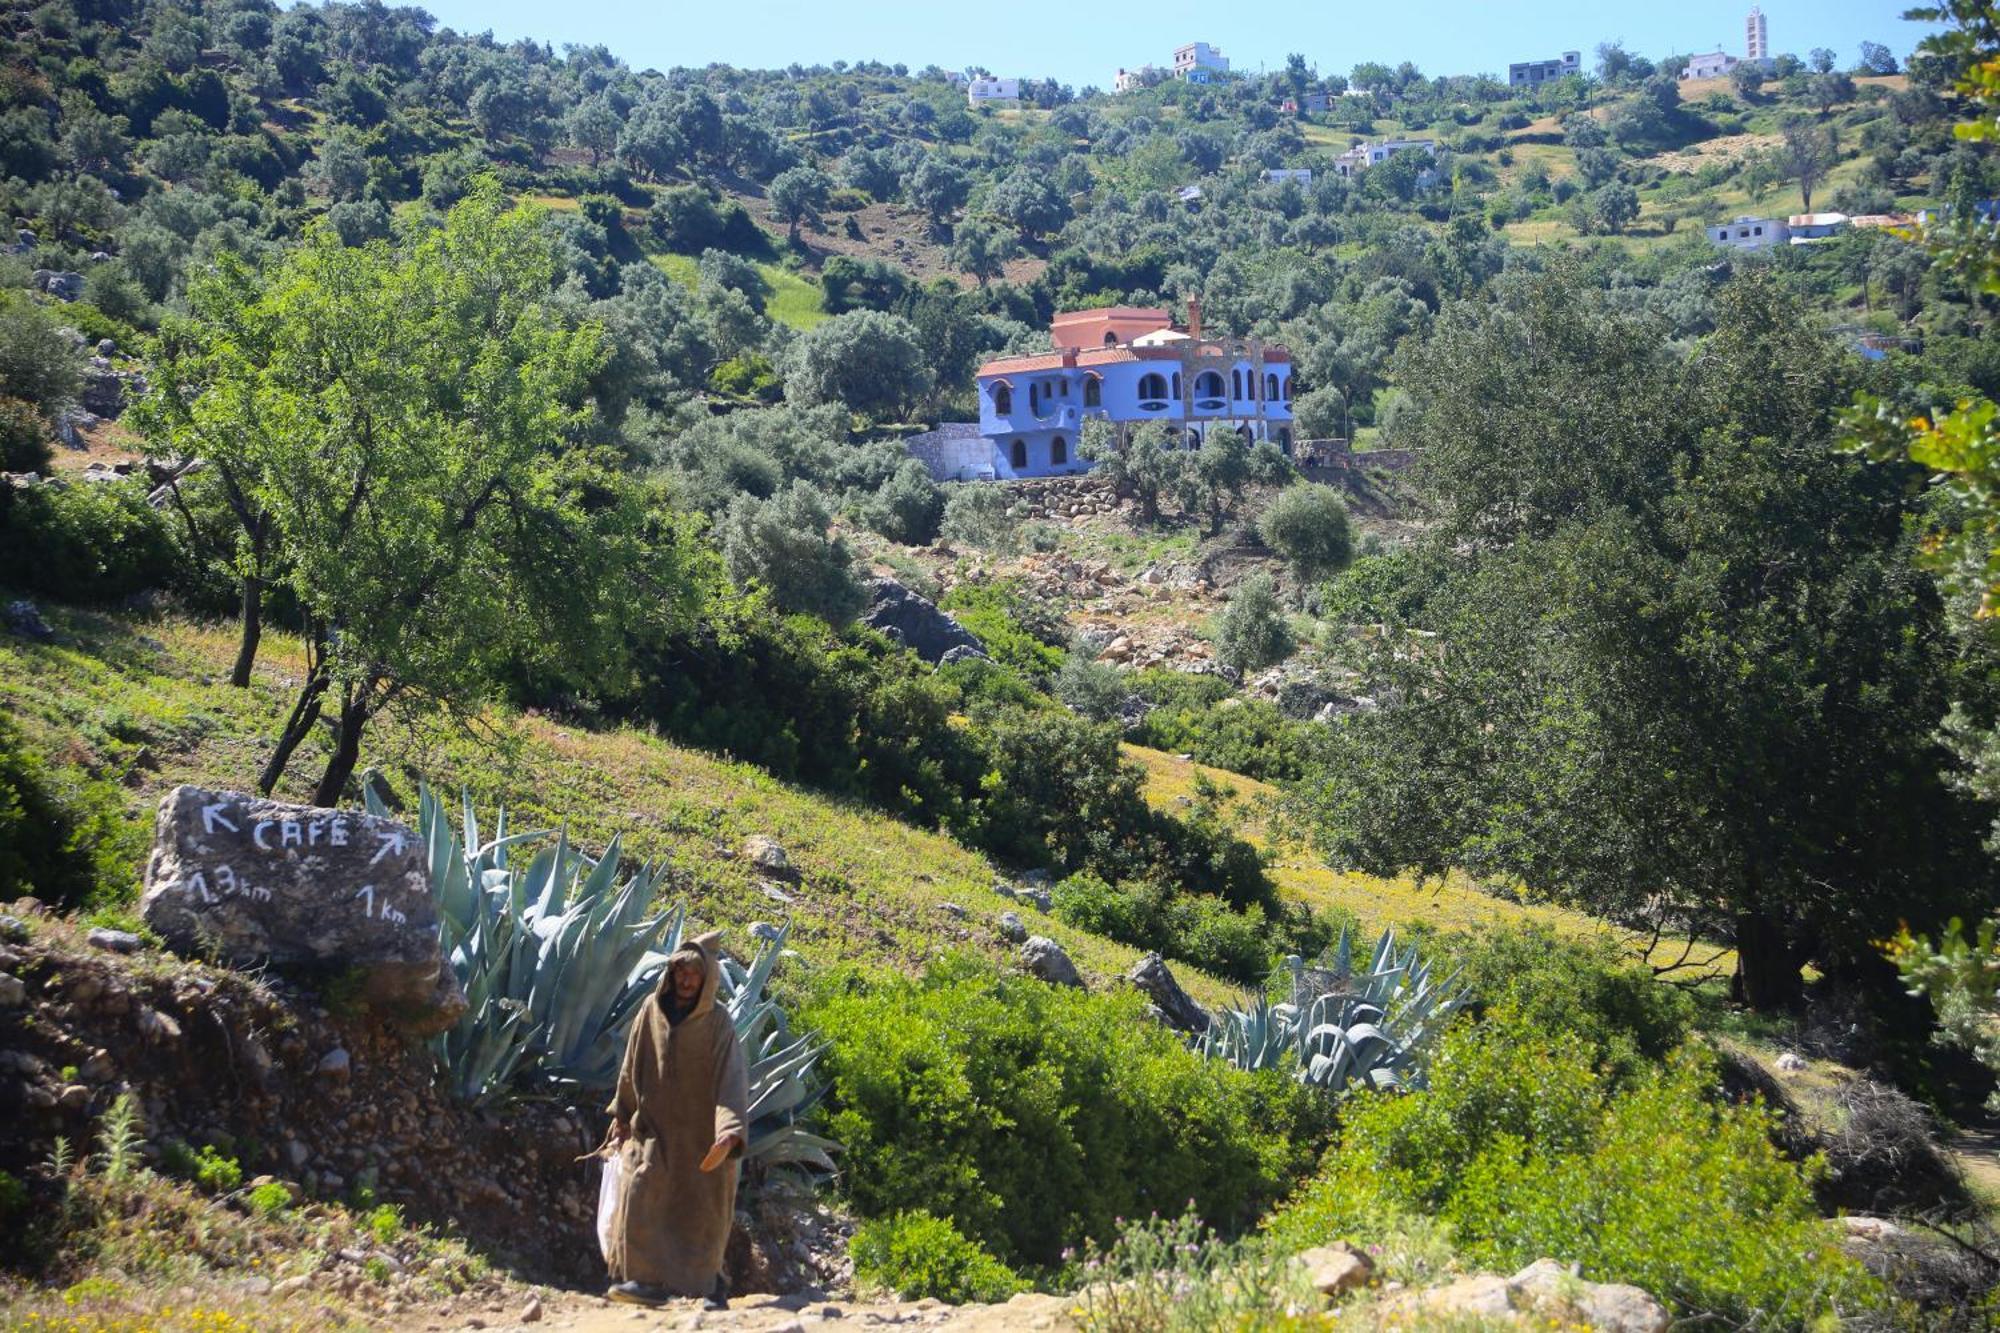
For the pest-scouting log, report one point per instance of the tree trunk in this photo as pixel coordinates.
(253, 630)
(1767, 967)
(305, 712)
(346, 748)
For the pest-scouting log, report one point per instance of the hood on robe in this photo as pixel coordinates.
(705, 950)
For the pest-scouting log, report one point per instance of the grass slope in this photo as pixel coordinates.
(1451, 904)
(794, 300)
(149, 704)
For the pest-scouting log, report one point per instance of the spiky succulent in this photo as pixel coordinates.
(557, 955)
(1341, 1028)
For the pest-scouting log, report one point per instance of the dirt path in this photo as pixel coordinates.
(573, 1313)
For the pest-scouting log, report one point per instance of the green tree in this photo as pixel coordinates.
(1614, 207)
(1252, 632)
(1808, 152)
(1144, 466)
(870, 361)
(937, 187)
(1689, 669)
(783, 545)
(797, 195)
(982, 249)
(1307, 525)
(391, 429)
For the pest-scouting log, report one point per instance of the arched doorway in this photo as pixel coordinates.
(1020, 455)
(1058, 452)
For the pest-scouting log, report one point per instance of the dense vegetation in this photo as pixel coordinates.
(525, 383)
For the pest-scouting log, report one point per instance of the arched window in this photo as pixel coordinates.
(1093, 391)
(1152, 386)
(1285, 388)
(1193, 438)
(1236, 385)
(1208, 384)
(1003, 400)
(1058, 452)
(1110, 337)
(1271, 386)
(1177, 384)
(1249, 437)
(1020, 455)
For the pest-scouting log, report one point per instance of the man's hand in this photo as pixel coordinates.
(621, 1130)
(718, 1153)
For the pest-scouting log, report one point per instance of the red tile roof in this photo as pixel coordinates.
(1103, 356)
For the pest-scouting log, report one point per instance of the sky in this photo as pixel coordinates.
(1084, 43)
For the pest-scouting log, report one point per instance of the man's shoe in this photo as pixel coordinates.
(637, 1293)
(714, 1301)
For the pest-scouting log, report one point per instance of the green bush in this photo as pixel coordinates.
(1033, 1116)
(1585, 988)
(1016, 631)
(270, 1198)
(916, 1255)
(1194, 928)
(24, 438)
(215, 1172)
(1247, 736)
(1525, 1150)
(63, 834)
(85, 542)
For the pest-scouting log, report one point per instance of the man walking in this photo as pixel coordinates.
(678, 1123)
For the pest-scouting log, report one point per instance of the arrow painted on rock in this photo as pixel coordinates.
(392, 845)
(211, 815)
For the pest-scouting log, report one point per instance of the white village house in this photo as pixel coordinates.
(1365, 155)
(1749, 233)
(991, 91)
(1529, 73)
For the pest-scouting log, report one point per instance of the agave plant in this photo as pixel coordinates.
(1342, 1028)
(556, 956)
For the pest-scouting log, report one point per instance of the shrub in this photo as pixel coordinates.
(916, 1255)
(1195, 928)
(1093, 689)
(1247, 736)
(1178, 1276)
(1525, 1150)
(38, 363)
(782, 543)
(24, 438)
(1252, 632)
(216, 1173)
(1016, 632)
(63, 834)
(385, 1223)
(908, 507)
(1307, 525)
(979, 515)
(1034, 1116)
(270, 1198)
(84, 542)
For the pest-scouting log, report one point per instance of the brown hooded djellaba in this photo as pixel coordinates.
(681, 1088)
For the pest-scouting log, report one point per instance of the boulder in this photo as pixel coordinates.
(769, 857)
(103, 392)
(331, 892)
(914, 621)
(1544, 1293)
(1336, 1269)
(1171, 1004)
(1045, 960)
(1012, 928)
(13, 991)
(962, 653)
(21, 617)
(63, 286)
(115, 941)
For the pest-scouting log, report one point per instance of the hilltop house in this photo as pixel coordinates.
(1748, 233)
(1125, 365)
(992, 92)
(1314, 104)
(1709, 65)
(1302, 175)
(1365, 155)
(1809, 227)
(1198, 62)
(1529, 73)
(1132, 80)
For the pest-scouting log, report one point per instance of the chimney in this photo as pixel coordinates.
(1194, 315)
(1069, 358)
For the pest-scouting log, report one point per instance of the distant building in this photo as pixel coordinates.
(1198, 62)
(1125, 365)
(986, 92)
(1709, 65)
(1809, 227)
(1747, 233)
(1365, 155)
(1313, 104)
(1531, 72)
(1132, 80)
(1303, 175)
(1756, 37)
(1882, 221)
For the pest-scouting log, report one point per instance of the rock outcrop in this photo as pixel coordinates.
(1543, 1291)
(1045, 960)
(914, 621)
(1172, 1005)
(334, 892)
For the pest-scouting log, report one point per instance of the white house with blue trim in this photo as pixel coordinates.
(1128, 365)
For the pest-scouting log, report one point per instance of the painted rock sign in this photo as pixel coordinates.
(254, 881)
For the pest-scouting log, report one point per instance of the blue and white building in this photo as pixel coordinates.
(1125, 365)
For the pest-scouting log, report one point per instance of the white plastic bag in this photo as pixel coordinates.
(608, 1192)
